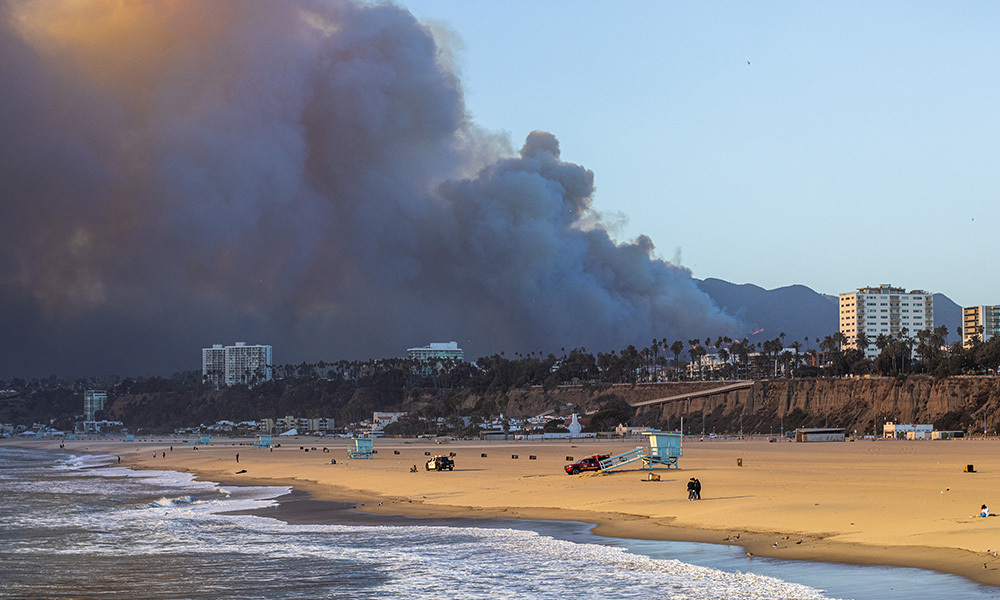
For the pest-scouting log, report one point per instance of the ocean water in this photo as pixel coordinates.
(81, 527)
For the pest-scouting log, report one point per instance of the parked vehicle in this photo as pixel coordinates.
(591, 463)
(440, 463)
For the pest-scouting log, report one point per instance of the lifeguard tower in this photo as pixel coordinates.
(664, 449)
(362, 448)
(205, 440)
(263, 441)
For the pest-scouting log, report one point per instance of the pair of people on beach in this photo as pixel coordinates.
(984, 511)
(694, 489)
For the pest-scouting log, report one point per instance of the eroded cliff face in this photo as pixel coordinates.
(862, 405)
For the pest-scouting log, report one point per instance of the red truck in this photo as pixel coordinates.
(591, 463)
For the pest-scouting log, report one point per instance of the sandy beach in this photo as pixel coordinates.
(896, 503)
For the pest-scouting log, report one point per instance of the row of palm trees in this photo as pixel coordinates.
(734, 358)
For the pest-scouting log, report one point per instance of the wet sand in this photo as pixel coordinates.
(894, 503)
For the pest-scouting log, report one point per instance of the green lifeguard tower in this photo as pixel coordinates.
(664, 449)
(362, 448)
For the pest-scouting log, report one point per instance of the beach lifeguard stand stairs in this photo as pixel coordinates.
(362, 448)
(263, 441)
(664, 449)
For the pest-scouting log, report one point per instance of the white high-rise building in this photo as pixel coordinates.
(93, 401)
(884, 310)
(213, 365)
(231, 365)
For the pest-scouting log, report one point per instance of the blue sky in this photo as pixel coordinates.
(859, 146)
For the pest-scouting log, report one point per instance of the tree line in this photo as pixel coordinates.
(349, 391)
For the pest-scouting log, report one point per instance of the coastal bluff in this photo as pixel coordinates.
(769, 406)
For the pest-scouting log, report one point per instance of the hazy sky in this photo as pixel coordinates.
(832, 144)
(346, 180)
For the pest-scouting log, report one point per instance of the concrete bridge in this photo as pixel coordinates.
(741, 385)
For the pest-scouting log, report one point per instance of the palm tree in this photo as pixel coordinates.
(677, 347)
(656, 354)
(840, 339)
(881, 342)
(795, 359)
(861, 341)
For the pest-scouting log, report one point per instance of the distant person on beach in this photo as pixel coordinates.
(984, 511)
(697, 489)
(413, 469)
(237, 457)
(692, 495)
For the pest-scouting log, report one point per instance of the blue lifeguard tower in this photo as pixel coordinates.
(362, 448)
(205, 439)
(664, 449)
(263, 441)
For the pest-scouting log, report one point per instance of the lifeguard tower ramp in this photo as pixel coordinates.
(362, 448)
(664, 449)
(263, 441)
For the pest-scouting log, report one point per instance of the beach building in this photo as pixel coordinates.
(884, 310)
(980, 321)
(820, 434)
(320, 425)
(92, 426)
(93, 401)
(381, 419)
(237, 364)
(906, 431)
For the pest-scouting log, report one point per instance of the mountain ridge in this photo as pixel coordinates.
(798, 311)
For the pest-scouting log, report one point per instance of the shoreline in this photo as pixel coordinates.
(618, 505)
(759, 543)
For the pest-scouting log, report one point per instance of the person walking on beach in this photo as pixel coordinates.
(697, 489)
(237, 457)
(692, 495)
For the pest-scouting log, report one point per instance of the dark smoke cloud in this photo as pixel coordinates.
(177, 174)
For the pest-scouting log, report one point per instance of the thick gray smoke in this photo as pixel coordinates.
(179, 174)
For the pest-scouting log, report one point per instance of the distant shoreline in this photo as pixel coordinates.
(902, 504)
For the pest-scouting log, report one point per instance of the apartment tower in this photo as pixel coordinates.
(884, 310)
(979, 321)
(238, 364)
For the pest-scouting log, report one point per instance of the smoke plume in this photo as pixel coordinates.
(181, 173)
